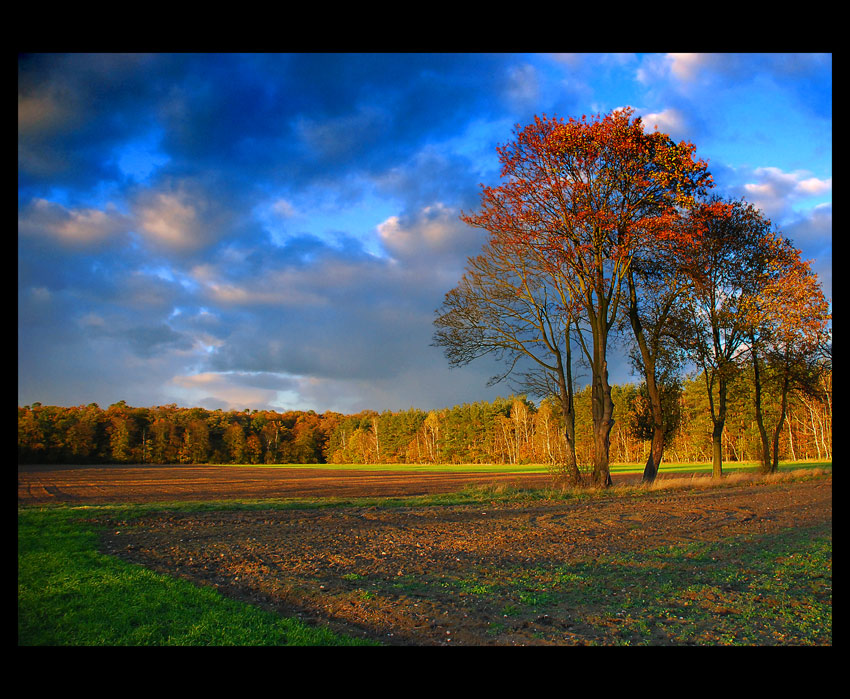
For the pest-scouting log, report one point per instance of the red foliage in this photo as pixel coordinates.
(588, 192)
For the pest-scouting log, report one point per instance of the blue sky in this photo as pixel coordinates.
(276, 231)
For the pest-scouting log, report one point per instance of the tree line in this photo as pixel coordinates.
(506, 431)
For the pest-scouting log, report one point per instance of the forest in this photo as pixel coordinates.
(504, 431)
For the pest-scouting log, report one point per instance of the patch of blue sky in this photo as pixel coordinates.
(170, 274)
(755, 121)
(161, 271)
(478, 144)
(59, 195)
(141, 158)
(328, 217)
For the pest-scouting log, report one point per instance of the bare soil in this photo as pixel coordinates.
(412, 575)
(82, 485)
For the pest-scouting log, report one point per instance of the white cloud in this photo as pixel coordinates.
(188, 215)
(171, 220)
(79, 227)
(814, 187)
(435, 229)
(283, 208)
(687, 66)
(812, 231)
(775, 191)
(290, 287)
(686, 70)
(669, 121)
(213, 389)
(523, 85)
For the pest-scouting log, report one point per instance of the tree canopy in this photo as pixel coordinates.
(595, 221)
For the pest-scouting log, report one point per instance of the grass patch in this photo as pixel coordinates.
(69, 594)
(621, 468)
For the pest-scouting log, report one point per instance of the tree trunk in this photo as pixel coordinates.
(717, 449)
(565, 386)
(791, 442)
(656, 452)
(603, 423)
(718, 419)
(774, 466)
(765, 446)
(570, 434)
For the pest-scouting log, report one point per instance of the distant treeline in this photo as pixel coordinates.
(506, 430)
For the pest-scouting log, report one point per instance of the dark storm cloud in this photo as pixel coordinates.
(281, 117)
(149, 340)
(75, 110)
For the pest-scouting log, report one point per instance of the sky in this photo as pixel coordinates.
(276, 231)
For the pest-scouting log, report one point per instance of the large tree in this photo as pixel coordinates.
(587, 196)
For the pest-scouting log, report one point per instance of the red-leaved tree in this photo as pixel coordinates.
(588, 196)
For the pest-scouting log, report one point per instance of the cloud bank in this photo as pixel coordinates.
(276, 231)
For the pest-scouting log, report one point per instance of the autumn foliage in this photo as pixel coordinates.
(620, 221)
(503, 431)
(584, 199)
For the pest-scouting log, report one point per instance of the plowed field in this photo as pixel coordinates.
(39, 485)
(493, 574)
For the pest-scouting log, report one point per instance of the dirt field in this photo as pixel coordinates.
(39, 485)
(412, 576)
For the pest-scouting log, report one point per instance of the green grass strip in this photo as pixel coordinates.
(69, 594)
(666, 467)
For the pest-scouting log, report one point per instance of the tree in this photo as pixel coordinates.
(32, 440)
(643, 418)
(81, 434)
(584, 197)
(121, 432)
(787, 321)
(196, 442)
(234, 439)
(655, 285)
(717, 255)
(254, 448)
(509, 305)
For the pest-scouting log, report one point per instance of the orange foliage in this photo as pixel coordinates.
(584, 190)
